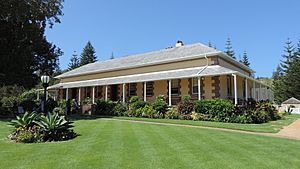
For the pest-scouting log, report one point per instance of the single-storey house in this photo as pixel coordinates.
(293, 104)
(196, 70)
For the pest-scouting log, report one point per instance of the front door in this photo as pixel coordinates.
(114, 93)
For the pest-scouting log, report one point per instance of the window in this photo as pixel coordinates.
(149, 88)
(98, 91)
(175, 87)
(88, 92)
(132, 89)
(229, 86)
(195, 85)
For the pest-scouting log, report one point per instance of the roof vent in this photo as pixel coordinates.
(179, 43)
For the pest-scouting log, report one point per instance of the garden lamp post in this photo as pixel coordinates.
(45, 81)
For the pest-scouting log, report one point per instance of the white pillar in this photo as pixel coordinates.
(67, 93)
(170, 93)
(199, 88)
(93, 95)
(79, 95)
(106, 93)
(259, 92)
(124, 93)
(145, 91)
(254, 91)
(246, 91)
(235, 89)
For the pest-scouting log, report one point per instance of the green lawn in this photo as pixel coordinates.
(270, 127)
(108, 143)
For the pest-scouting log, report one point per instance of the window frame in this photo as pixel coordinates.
(149, 91)
(193, 92)
(129, 89)
(178, 87)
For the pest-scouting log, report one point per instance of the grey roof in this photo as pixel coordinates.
(160, 56)
(291, 101)
(153, 76)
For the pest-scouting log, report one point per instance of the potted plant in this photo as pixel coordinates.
(87, 106)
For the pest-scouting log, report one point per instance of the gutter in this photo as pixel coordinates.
(205, 65)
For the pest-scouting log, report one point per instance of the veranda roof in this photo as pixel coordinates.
(153, 76)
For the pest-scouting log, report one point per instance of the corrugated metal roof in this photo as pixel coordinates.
(153, 76)
(160, 56)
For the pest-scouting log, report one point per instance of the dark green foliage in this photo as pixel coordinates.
(286, 77)
(214, 106)
(86, 101)
(29, 105)
(147, 111)
(186, 106)
(105, 107)
(88, 54)
(74, 62)
(229, 50)
(245, 59)
(120, 109)
(224, 111)
(24, 50)
(160, 105)
(135, 104)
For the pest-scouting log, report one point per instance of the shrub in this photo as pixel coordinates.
(25, 121)
(186, 106)
(28, 105)
(195, 116)
(31, 128)
(61, 107)
(172, 113)
(55, 127)
(105, 107)
(160, 105)
(134, 105)
(86, 101)
(31, 95)
(10, 101)
(146, 111)
(217, 107)
(120, 109)
(31, 135)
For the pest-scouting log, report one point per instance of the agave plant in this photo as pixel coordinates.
(25, 121)
(53, 122)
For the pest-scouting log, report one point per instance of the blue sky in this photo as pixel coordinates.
(260, 27)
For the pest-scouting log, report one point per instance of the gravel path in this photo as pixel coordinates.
(290, 132)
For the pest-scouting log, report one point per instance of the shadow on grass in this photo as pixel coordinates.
(5, 119)
(75, 117)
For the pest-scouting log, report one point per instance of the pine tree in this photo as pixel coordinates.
(112, 55)
(74, 62)
(245, 59)
(229, 50)
(289, 55)
(286, 78)
(88, 54)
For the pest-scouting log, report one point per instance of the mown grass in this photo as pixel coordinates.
(105, 143)
(270, 127)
